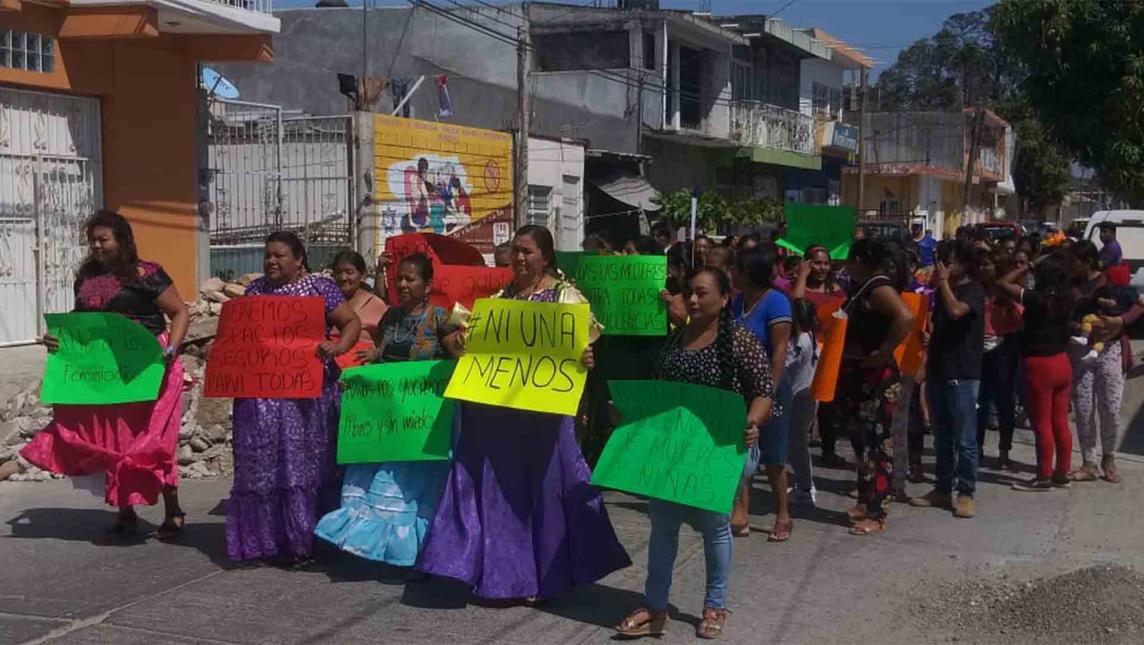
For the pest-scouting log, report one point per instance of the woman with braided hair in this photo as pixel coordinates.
(710, 350)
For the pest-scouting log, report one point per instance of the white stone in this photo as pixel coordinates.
(214, 284)
(198, 444)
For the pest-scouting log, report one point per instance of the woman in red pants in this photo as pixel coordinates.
(1048, 373)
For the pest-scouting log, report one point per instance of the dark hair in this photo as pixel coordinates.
(598, 240)
(126, 264)
(420, 263)
(1106, 226)
(704, 237)
(1086, 254)
(968, 255)
(758, 265)
(725, 338)
(543, 239)
(503, 247)
(750, 237)
(291, 239)
(1052, 279)
(804, 319)
(882, 256)
(815, 248)
(352, 258)
(646, 246)
(661, 229)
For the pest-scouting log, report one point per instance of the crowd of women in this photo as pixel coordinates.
(512, 512)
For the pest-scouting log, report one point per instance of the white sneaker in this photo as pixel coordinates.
(1078, 340)
(800, 497)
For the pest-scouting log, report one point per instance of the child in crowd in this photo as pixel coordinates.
(1105, 301)
(801, 362)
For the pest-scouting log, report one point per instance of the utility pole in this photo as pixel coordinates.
(974, 149)
(363, 90)
(523, 116)
(862, 141)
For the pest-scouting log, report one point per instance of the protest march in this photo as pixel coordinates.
(465, 421)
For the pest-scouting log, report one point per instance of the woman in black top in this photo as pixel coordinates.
(868, 384)
(1048, 374)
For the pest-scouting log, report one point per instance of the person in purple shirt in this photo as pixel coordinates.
(926, 245)
(1110, 253)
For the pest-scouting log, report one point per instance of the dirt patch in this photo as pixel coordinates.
(1098, 604)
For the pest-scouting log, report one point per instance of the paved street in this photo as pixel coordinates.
(823, 586)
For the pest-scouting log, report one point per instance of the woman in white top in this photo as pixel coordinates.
(800, 364)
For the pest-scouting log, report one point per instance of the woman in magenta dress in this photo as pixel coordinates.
(519, 518)
(132, 444)
(284, 471)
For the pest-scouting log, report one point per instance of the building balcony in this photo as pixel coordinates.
(761, 125)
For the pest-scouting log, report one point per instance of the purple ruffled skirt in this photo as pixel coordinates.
(285, 477)
(518, 517)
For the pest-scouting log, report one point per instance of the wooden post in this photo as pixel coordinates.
(523, 117)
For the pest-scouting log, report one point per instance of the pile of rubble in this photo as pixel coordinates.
(205, 429)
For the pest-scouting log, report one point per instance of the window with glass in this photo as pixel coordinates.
(27, 51)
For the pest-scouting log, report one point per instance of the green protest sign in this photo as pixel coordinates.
(678, 442)
(396, 412)
(568, 262)
(811, 224)
(103, 359)
(623, 291)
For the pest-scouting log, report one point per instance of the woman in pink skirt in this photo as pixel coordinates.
(132, 444)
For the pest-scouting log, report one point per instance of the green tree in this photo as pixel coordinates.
(713, 212)
(963, 65)
(1082, 65)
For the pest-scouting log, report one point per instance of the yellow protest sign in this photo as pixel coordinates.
(523, 355)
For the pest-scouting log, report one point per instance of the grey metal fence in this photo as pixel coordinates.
(267, 171)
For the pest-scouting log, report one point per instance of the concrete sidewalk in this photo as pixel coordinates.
(823, 586)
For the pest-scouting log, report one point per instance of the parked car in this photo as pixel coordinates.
(998, 229)
(1077, 228)
(886, 229)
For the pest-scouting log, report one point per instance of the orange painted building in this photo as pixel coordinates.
(99, 108)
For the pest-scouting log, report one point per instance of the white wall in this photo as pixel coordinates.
(559, 165)
(816, 70)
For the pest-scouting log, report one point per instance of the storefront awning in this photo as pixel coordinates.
(632, 190)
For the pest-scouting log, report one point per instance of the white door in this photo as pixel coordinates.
(50, 182)
(571, 232)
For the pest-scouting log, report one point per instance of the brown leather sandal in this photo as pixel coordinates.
(868, 526)
(711, 627)
(643, 622)
(781, 531)
(1108, 465)
(857, 513)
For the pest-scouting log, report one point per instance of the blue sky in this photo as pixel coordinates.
(880, 27)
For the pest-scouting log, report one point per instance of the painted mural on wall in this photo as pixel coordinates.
(441, 178)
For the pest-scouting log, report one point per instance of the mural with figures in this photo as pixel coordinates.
(440, 178)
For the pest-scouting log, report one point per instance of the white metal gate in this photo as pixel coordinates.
(50, 182)
(268, 171)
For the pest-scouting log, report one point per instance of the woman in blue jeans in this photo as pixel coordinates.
(710, 351)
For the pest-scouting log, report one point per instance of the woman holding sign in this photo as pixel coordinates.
(387, 508)
(518, 518)
(711, 350)
(283, 448)
(132, 444)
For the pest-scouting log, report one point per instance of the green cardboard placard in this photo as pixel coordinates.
(677, 442)
(810, 224)
(396, 412)
(568, 262)
(623, 291)
(103, 359)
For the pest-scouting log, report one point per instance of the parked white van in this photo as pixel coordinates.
(1130, 234)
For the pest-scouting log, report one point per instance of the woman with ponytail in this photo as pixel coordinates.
(710, 350)
(868, 387)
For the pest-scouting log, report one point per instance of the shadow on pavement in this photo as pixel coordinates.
(78, 525)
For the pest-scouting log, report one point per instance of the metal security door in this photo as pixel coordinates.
(50, 182)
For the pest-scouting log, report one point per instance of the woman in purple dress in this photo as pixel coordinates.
(284, 471)
(519, 518)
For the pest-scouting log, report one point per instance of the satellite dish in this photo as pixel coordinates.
(218, 86)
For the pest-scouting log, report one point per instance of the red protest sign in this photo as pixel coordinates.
(350, 359)
(265, 348)
(459, 272)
